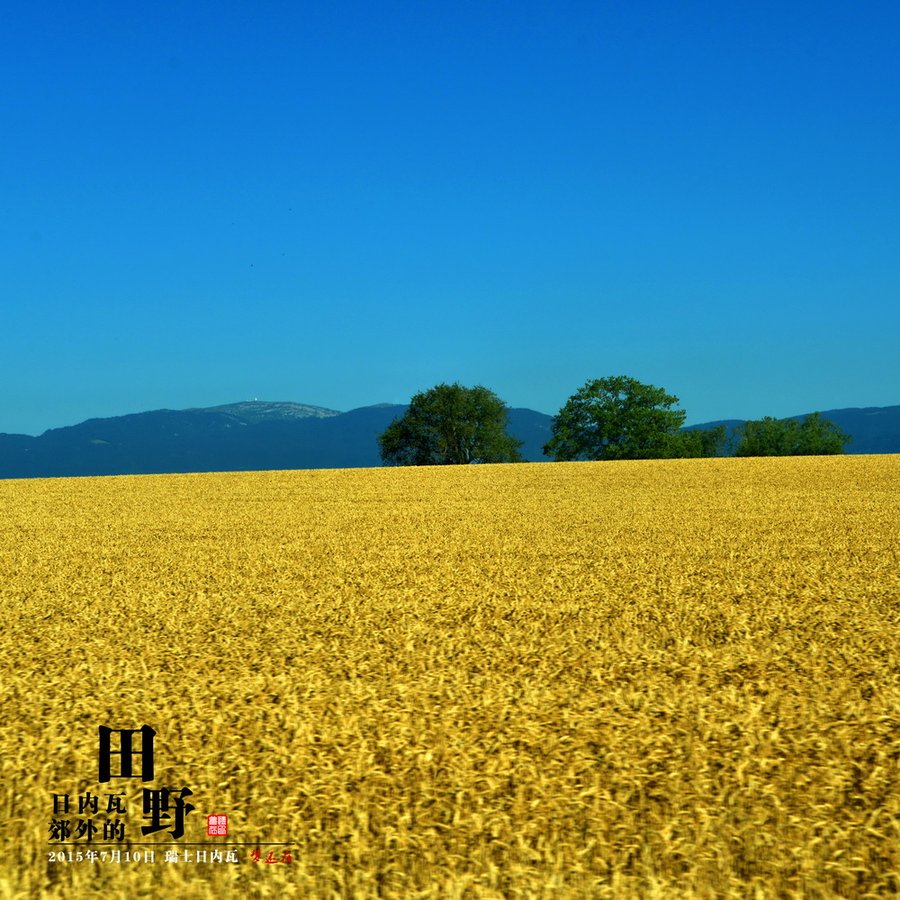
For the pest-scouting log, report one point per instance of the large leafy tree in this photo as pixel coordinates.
(814, 436)
(450, 424)
(621, 418)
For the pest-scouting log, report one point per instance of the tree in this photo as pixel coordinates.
(699, 442)
(814, 436)
(620, 418)
(450, 424)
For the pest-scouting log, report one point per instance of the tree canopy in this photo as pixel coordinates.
(814, 436)
(450, 424)
(621, 418)
(700, 442)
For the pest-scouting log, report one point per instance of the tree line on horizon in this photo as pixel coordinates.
(610, 418)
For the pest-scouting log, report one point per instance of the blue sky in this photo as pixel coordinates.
(345, 203)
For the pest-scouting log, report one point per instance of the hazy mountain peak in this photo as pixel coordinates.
(266, 410)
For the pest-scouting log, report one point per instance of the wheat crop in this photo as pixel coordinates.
(635, 679)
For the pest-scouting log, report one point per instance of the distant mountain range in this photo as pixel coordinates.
(257, 435)
(873, 429)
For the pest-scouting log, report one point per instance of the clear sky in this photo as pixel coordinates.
(345, 203)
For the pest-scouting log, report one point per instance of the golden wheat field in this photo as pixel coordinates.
(635, 679)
